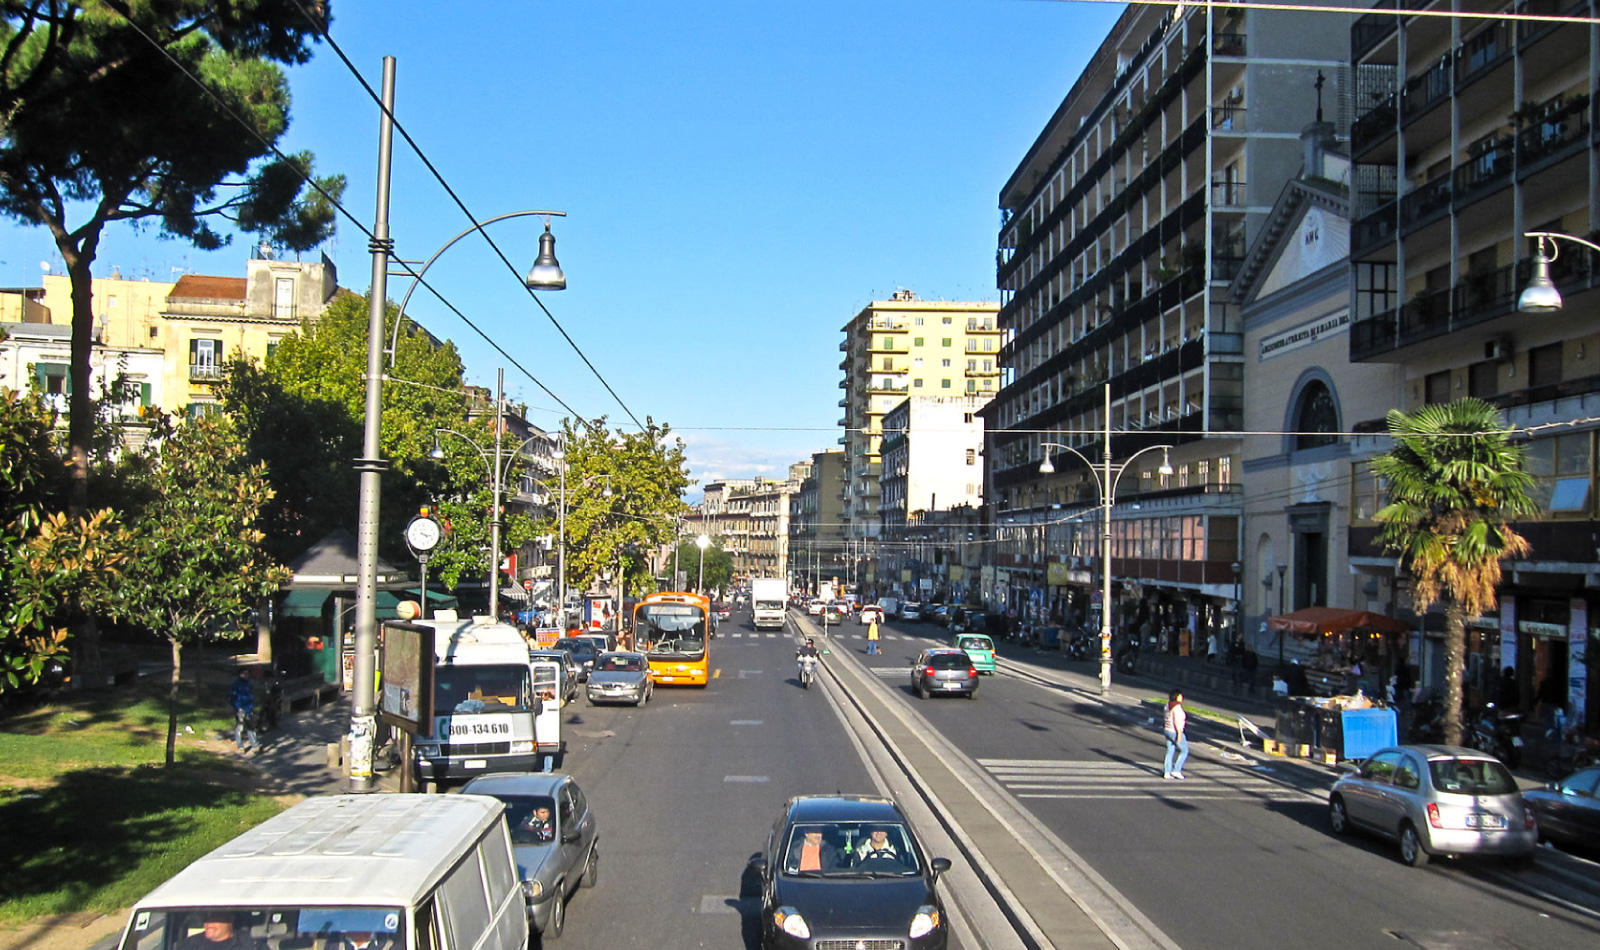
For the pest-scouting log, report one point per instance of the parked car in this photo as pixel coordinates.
(911, 611)
(871, 613)
(975, 621)
(583, 652)
(1435, 800)
(871, 885)
(979, 647)
(554, 838)
(1568, 811)
(946, 671)
(938, 613)
(619, 678)
(571, 670)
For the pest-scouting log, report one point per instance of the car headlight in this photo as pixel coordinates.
(521, 745)
(926, 921)
(788, 920)
(532, 889)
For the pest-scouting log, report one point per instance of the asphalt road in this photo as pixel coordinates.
(1238, 857)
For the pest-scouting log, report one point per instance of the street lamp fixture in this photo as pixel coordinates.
(1541, 295)
(1106, 479)
(702, 542)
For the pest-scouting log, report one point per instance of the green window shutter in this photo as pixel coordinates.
(194, 349)
(144, 395)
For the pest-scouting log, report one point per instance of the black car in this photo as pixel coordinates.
(846, 871)
(583, 652)
(1568, 811)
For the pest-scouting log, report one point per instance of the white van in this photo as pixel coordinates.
(412, 872)
(484, 704)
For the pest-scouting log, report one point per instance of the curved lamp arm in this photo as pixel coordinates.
(394, 336)
(1129, 461)
(1048, 467)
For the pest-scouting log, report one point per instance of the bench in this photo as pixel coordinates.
(306, 692)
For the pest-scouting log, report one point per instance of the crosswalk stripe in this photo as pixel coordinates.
(1101, 780)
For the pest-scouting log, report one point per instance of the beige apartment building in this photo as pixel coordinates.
(903, 347)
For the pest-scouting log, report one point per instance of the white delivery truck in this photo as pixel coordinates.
(768, 599)
(485, 706)
(418, 871)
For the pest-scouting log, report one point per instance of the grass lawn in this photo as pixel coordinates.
(90, 819)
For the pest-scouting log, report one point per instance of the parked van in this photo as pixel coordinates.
(407, 871)
(484, 704)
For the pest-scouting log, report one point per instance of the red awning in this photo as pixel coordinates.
(1313, 621)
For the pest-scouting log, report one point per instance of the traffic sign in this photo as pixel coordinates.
(527, 584)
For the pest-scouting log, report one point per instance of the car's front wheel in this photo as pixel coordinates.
(1411, 850)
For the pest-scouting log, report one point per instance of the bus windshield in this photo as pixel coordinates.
(479, 689)
(671, 630)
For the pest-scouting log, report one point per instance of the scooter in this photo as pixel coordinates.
(1078, 647)
(808, 670)
(1499, 734)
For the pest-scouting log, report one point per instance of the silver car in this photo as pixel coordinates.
(554, 838)
(1435, 799)
(619, 678)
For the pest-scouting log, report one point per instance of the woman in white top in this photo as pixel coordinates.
(1177, 743)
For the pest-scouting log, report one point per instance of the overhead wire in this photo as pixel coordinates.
(345, 212)
(321, 28)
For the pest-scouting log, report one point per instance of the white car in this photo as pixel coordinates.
(871, 613)
(814, 607)
(911, 611)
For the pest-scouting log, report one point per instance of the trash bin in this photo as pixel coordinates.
(1365, 731)
(1050, 638)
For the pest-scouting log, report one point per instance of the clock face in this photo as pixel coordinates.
(423, 533)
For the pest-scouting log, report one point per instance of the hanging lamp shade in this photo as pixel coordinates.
(546, 271)
(1541, 295)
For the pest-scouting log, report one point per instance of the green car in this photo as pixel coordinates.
(979, 647)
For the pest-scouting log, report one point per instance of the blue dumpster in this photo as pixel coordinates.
(1365, 731)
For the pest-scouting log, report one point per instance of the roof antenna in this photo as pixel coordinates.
(1320, 80)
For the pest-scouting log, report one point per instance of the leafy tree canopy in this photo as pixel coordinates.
(718, 564)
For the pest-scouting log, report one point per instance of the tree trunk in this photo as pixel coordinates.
(264, 634)
(80, 431)
(172, 701)
(1455, 667)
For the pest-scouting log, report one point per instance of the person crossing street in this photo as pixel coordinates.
(872, 638)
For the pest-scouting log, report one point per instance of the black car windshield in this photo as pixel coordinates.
(576, 647)
(1471, 777)
(532, 818)
(476, 689)
(949, 661)
(849, 849)
(618, 663)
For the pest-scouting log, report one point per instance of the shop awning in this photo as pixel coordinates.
(1315, 621)
(310, 603)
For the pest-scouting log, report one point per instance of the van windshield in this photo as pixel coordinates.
(265, 928)
(476, 689)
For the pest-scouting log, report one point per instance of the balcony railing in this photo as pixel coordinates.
(1376, 125)
(1485, 50)
(1372, 28)
(1423, 202)
(204, 372)
(1227, 194)
(1229, 119)
(1229, 44)
(1556, 127)
(1424, 91)
(1487, 292)
(1489, 166)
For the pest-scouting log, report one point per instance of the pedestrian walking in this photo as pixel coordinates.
(1248, 664)
(872, 638)
(242, 697)
(1177, 743)
(1213, 647)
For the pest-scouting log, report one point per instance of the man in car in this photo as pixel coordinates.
(539, 825)
(876, 845)
(218, 933)
(813, 854)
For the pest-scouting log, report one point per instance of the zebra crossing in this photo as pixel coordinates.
(882, 637)
(1102, 780)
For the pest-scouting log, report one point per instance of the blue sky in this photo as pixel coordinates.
(740, 179)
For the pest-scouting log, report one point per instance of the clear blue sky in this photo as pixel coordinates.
(741, 177)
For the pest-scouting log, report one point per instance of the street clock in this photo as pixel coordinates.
(423, 534)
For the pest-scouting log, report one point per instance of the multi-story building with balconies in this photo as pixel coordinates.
(1121, 229)
(1471, 131)
(905, 347)
(816, 519)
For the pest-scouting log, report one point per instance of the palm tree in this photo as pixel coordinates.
(1455, 479)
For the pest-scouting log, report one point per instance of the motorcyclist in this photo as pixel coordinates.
(806, 654)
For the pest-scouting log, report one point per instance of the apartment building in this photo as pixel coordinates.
(1472, 131)
(1122, 227)
(816, 518)
(932, 448)
(903, 347)
(767, 553)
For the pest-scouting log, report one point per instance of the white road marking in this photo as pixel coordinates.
(747, 722)
(744, 778)
(1101, 780)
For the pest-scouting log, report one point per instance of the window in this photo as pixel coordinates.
(917, 321)
(54, 379)
(1367, 493)
(1483, 379)
(1562, 467)
(1317, 419)
(988, 344)
(917, 341)
(972, 456)
(988, 384)
(944, 384)
(283, 299)
(967, 417)
(916, 362)
(888, 362)
(945, 342)
(945, 364)
(1544, 365)
(917, 383)
(972, 366)
(1436, 387)
(946, 321)
(205, 359)
(972, 385)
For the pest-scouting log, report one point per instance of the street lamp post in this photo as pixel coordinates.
(1106, 480)
(1541, 295)
(1283, 570)
(702, 542)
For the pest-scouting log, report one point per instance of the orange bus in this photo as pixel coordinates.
(672, 630)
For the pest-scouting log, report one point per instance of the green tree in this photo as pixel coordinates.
(51, 567)
(719, 563)
(197, 566)
(1455, 481)
(301, 413)
(622, 488)
(166, 113)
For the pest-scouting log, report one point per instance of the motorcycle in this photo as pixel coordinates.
(1427, 722)
(808, 670)
(1497, 733)
(1079, 647)
(1128, 659)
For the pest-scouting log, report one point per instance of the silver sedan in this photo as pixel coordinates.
(1434, 800)
(619, 677)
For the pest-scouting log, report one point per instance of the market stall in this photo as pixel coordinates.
(1339, 697)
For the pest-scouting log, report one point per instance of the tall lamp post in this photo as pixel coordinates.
(702, 542)
(370, 466)
(1283, 570)
(1106, 479)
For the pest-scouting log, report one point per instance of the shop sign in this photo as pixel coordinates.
(1483, 623)
(1055, 574)
(1534, 628)
(1577, 668)
(1303, 335)
(1508, 633)
(958, 572)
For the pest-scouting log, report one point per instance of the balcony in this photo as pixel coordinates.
(1372, 29)
(1373, 229)
(889, 345)
(1426, 202)
(1373, 127)
(1229, 44)
(1490, 166)
(204, 372)
(1227, 194)
(1426, 90)
(1556, 126)
(1229, 119)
